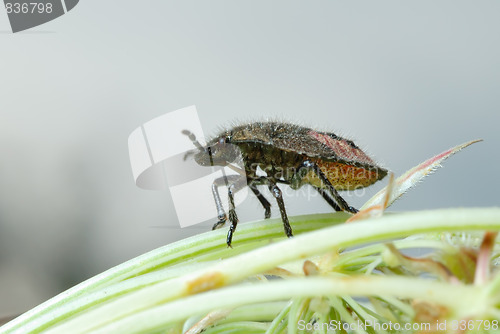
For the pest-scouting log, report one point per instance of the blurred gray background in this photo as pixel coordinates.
(405, 80)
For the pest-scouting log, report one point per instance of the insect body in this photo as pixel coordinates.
(287, 154)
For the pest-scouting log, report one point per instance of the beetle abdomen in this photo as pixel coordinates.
(344, 176)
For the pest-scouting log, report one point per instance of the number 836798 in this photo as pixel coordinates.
(470, 325)
(28, 7)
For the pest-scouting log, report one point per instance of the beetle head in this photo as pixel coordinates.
(218, 152)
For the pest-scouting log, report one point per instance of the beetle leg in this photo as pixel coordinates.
(221, 214)
(327, 198)
(233, 218)
(276, 191)
(265, 203)
(234, 184)
(331, 189)
(231, 181)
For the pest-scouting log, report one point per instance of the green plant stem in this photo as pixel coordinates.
(210, 245)
(437, 292)
(237, 268)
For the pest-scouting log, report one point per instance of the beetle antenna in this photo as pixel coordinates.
(192, 137)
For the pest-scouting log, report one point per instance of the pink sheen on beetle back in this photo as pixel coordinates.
(343, 149)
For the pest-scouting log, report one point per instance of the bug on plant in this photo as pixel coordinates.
(287, 154)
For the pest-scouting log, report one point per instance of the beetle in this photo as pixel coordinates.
(273, 153)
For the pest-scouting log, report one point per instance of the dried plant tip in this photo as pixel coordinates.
(310, 269)
(418, 266)
(428, 312)
(482, 274)
(376, 210)
(207, 321)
